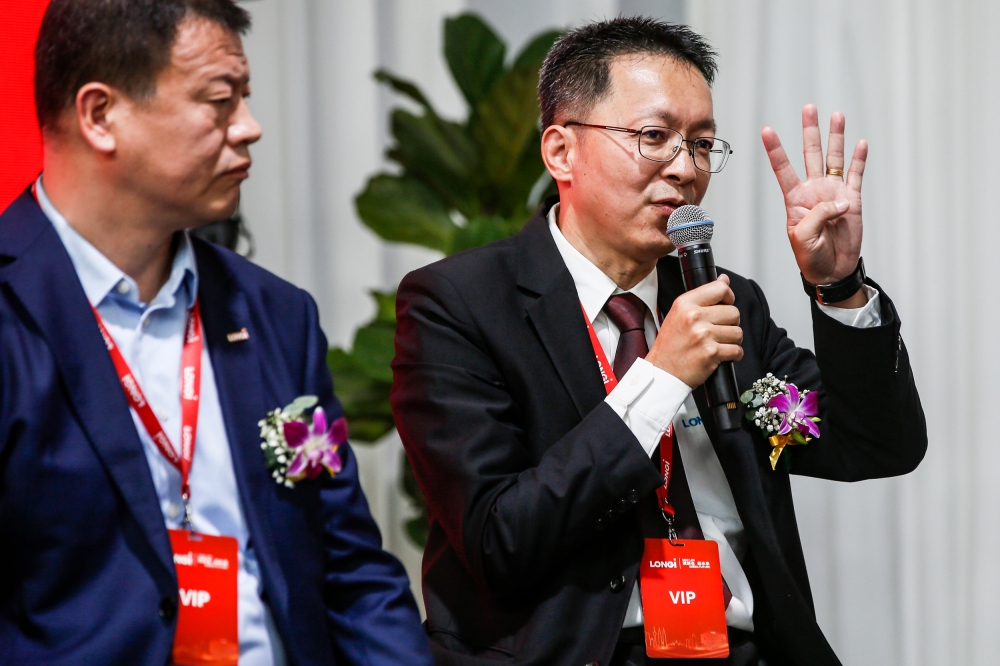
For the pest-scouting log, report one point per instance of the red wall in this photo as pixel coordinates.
(20, 143)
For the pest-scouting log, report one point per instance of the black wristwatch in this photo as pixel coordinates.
(837, 291)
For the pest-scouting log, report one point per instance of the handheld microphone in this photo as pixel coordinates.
(690, 230)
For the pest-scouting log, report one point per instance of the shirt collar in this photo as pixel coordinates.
(101, 279)
(592, 285)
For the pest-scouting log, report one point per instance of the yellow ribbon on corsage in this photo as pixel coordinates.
(779, 442)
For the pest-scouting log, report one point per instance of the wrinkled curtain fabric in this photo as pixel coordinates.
(903, 570)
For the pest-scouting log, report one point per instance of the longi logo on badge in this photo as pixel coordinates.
(682, 602)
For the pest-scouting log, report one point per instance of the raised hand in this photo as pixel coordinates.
(824, 211)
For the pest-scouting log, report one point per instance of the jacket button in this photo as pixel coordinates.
(601, 523)
(168, 608)
(617, 583)
(633, 496)
(623, 505)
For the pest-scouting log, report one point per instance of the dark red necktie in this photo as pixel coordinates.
(628, 313)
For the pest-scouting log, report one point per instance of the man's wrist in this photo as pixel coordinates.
(858, 300)
(841, 293)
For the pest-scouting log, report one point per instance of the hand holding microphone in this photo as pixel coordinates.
(701, 335)
(701, 331)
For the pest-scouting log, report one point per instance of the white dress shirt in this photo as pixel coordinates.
(150, 336)
(648, 399)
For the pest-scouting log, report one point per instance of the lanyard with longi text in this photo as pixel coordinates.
(207, 632)
(666, 442)
(190, 390)
(683, 609)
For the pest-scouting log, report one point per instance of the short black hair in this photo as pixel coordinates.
(122, 43)
(576, 71)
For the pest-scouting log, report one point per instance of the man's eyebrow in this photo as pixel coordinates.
(670, 121)
(233, 80)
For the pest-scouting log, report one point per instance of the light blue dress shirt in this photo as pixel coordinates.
(150, 336)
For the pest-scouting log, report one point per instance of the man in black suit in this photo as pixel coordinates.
(540, 486)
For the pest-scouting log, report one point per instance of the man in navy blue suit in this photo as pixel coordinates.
(146, 134)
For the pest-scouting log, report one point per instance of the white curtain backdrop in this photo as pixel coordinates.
(903, 571)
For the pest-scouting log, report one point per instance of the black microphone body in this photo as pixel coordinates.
(698, 268)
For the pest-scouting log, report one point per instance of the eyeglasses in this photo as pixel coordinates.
(661, 144)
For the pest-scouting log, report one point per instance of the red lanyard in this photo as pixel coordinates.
(666, 442)
(190, 391)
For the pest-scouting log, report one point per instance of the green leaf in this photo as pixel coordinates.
(514, 195)
(369, 430)
(401, 209)
(798, 437)
(536, 50)
(505, 122)
(475, 55)
(480, 231)
(404, 87)
(374, 347)
(365, 400)
(385, 302)
(417, 529)
(747, 397)
(300, 404)
(438, 153)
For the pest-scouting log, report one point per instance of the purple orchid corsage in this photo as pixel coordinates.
(783, 413)
(297, 446)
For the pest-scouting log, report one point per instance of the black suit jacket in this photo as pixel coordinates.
(532, 481)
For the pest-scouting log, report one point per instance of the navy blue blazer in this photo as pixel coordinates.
(86, 572)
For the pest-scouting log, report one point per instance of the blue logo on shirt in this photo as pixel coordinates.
(692, 422)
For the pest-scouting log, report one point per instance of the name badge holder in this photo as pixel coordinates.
(207, 630)
(680, 580)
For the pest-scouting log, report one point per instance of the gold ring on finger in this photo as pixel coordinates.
(835, 172)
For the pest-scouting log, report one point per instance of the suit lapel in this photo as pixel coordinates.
(42, 279)
(237, 369)
(554, 310)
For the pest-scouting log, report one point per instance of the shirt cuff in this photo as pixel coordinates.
(646, 399)
(867, 316)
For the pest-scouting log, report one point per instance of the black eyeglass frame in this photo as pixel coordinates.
(638, 134)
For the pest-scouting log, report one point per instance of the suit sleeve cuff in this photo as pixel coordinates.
(646, 399)
(867, 316)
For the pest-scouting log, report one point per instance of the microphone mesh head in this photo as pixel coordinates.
(695, 226)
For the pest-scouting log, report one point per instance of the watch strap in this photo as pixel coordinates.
(838, 291)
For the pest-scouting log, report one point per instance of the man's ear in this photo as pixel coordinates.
(559, 152)
(95, 105)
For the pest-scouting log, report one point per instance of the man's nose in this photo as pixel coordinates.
(244, 129)
(681, 168)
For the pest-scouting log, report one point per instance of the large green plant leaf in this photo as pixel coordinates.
(385, 307)
(480, 231)
(403, 210)
(373, 350)
(404, 87)
(475, 55)
(439, 154)
(505, 121)
(364, 399)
